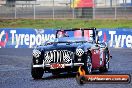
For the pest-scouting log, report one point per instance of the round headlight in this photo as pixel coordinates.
(79, 52)
(36, 53)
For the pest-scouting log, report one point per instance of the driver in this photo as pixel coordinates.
(62, 33)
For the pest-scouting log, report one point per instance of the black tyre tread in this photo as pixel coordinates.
(36, 73)
(104, 69)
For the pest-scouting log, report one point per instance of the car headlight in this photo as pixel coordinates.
(79, 52)
(36, 53)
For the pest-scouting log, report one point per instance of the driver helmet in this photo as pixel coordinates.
(62, 33)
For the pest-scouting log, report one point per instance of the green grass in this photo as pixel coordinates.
(28, 23)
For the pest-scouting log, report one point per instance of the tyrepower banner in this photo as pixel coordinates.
(117, 38)
(24, 38)
(28, 38)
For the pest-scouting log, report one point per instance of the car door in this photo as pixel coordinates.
(96, 57)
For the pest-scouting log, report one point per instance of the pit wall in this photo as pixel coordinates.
(28, 37)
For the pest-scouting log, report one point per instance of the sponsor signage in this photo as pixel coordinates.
(104, 78)
(24, 38)
(28, 37)
(118, 38)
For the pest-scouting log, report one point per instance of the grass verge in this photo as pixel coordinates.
(75, 23)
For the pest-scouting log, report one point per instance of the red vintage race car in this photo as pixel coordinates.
(67, 54)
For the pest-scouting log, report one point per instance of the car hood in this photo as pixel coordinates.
(70, 47)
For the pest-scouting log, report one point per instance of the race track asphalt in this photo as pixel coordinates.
(15, 71)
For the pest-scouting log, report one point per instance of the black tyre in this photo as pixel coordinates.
(88, 64)
(105, 68)
(36, 73)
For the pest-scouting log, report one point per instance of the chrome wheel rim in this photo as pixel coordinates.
(107, 62)
(89, 64)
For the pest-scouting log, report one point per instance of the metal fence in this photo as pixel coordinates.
(66, 9)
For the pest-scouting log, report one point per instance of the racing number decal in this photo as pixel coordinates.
(101, 57)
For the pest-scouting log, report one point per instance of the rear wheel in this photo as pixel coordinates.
(36, 73)
(105, 68)
(88, 64)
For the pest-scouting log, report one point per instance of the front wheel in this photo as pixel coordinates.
(88, 64)
(36, 73)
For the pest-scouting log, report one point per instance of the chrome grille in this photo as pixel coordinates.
(58, 56)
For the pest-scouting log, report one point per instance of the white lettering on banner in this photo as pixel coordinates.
(117, 40)
(22, 38)
(13, 33)
(111, 39)
(32, 40)
(17, 40)
(129, 41)
(120, 40)
(29, 39)
(2, 33)
(38, 39)
(26, 39)
(123, 39)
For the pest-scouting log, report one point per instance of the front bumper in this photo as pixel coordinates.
(66, 65)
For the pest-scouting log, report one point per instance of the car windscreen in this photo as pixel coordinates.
(76, 33)
(68, 40)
